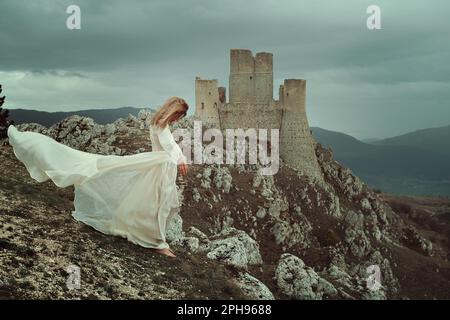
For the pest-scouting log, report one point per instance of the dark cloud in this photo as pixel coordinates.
(367, 83)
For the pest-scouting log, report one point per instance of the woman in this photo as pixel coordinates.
(133, 196)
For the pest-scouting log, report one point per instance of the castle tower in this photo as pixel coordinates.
(251, 78)
(296, 142)
(263, 77)
(242, 73)
(208, 97)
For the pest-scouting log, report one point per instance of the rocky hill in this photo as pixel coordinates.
(238, 234)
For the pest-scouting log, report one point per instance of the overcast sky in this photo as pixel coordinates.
(367, 83)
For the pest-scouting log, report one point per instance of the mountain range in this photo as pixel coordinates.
(432, 139)
(416, 163)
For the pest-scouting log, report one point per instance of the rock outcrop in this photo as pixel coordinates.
(253, 288)
(301, 282)
(234, 247)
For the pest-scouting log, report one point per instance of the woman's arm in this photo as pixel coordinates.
(170, 146)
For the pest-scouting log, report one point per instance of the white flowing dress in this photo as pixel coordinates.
(132, 196)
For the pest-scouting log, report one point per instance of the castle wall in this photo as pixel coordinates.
(281, 94)
(296, 141)
(222, 95)
(207, 100)
(246, 115)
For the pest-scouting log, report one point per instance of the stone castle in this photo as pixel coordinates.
(251, 105)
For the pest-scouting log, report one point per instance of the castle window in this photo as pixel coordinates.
(210, 93)
(203, 105)
(287, 94)
(251, 77)
(215, 104)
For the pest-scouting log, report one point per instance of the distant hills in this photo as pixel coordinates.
(417, 163)
(433, 139)
(101, 116)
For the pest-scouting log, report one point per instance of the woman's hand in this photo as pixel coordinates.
(183, 168)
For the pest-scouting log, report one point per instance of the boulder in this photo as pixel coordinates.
(174, 231)
(301, 282)
(235, 247)
(253, 288)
